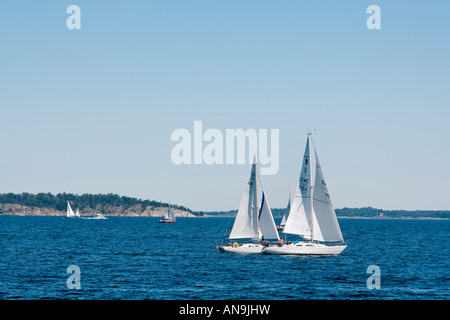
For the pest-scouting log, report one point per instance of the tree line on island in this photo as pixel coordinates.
(366, 212)
(59, 202)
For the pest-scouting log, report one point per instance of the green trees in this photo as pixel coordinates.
(59, 201)
(370, 212)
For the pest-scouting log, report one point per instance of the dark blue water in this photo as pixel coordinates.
(137, 258)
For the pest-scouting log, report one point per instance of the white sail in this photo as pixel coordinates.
(267, 226)
(299, 221)
(246, 222)
(167, 216)
(172, 215)
(318, 215)
(22, 213)
(70, 213)
(286, 214)
(326, 226)
(77, 214)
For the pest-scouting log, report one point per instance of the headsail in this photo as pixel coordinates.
(326, 226)
(172, 214)
(267, 226)
(246, 222)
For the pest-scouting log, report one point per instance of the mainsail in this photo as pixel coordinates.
(246, 222)
(299, 221)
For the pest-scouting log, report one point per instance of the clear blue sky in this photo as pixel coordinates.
(92, 110)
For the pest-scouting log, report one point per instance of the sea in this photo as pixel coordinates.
(136, 258)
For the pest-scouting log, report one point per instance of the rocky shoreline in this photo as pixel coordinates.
(107, 210)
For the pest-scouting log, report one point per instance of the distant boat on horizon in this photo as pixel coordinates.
(169, 217)
(96, 216)
(285, 215)
(312, 216)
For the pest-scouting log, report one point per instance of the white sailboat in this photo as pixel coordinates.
(251, 223)
(285, 215)
(169, 217)
(22, 213)
(77, 213)
(70, 213)
(312, 215)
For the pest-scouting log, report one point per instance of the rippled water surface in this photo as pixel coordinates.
(138, 258)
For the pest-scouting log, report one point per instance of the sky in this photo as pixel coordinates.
(93, 110)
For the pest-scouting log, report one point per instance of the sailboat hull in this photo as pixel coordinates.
(305, 248)
(242, 248)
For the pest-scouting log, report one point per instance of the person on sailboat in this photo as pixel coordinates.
(281, 242)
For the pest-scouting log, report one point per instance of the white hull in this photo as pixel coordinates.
(305, 248)
(243, 248)
(94, 218)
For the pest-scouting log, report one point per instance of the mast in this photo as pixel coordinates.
(311, 211)
(256, 193)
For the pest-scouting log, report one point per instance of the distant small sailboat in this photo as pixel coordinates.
(312, 216)
(22, 213)
(77, 213)
(251, 223)
(70, 213)
(285, 215)
(169, 217)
